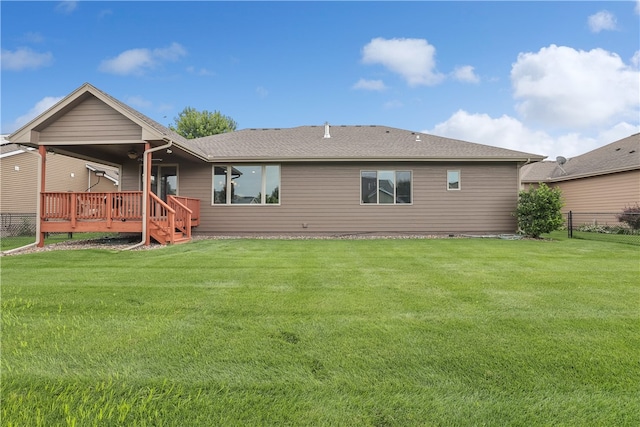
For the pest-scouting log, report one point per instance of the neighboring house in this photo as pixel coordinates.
(19, 171)
(307, 179)
(605, 180)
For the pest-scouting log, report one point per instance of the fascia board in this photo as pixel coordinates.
(213, 159)
(592, 174)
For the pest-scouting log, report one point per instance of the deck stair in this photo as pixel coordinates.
(170, 222)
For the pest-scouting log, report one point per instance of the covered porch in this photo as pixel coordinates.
(90, 125)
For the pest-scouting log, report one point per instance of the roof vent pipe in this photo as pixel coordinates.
(326, 130)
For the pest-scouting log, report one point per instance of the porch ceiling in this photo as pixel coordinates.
(117, 152)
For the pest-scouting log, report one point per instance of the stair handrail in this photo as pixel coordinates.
(183, 215)
(170, 213)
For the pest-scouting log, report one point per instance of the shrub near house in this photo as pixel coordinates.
(539, 210)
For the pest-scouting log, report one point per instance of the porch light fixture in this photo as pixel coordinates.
(132, 154)
(99, 173)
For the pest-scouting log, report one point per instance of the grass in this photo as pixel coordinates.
(7, 243)
(324, 332)
(629, 239)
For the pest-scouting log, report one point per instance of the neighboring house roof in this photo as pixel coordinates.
(619, 156)
(111, 173)
(8, 149)
(346, 143)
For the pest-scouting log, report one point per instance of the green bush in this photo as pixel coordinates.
(538, 210)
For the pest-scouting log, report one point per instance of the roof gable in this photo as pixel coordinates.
(619, 156)
(151, 130)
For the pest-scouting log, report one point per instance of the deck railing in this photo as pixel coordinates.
(64, 206)
(183, 215)
(162, 218)
(119, 212)
(192, 204)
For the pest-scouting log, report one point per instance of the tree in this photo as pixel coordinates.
(539, 210)
(192, 123)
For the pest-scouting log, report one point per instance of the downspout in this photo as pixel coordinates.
(145, 191)
(38, 204)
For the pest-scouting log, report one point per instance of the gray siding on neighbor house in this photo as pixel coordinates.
(326, 197)
(91, 120)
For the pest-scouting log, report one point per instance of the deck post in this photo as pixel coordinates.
(40, 207)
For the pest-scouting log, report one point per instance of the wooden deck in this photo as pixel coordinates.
(119, 212)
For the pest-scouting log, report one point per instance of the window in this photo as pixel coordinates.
(453, 180)
(246, 185)
(385, 187)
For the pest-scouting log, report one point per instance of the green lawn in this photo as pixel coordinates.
(324, 332)
(7, 243)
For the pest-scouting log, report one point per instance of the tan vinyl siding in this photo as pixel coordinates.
(19, 187)
(130, 179)
(326, 197)
(604, 193)
(91, 120)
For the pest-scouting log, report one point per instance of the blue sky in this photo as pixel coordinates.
(551, 78)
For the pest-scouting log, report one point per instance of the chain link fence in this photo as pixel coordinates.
(17, 224)
(621, 227)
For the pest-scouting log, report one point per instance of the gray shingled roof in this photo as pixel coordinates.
(621, 155)
(345, 143)
(308, 143)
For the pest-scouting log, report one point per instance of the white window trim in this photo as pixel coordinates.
(459, 180)
(377, 171)
(263, 185)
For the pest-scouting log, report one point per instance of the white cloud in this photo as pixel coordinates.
(564, 87)
(23, 58)
(413, 59)
(172, 53)
(364, 84)
(505, 132)
(635, 59)
(67, 6)
(41, 106)
(603, 20)
(138, 61)
(466, 74)
(509, 132)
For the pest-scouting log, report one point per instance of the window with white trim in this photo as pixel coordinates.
(246, 185)
(385, 187)
(453, 180)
